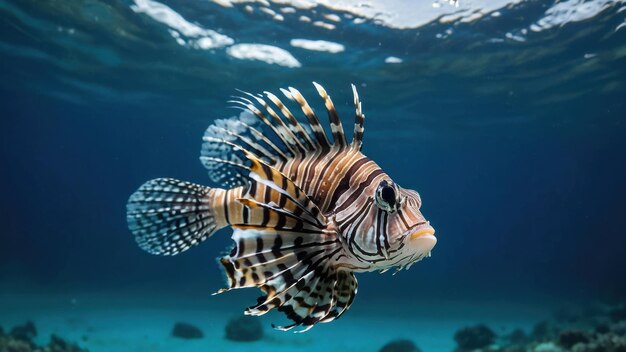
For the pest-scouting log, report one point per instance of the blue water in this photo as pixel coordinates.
(511, 126)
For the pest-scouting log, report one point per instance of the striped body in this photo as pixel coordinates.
(339, 183)
(306, 213)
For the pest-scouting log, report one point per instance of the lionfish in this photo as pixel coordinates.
(306, 214)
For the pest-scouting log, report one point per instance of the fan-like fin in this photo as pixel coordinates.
(345, 290)
(277, 181)
(286, 249)
(325, 299)
(225, 141)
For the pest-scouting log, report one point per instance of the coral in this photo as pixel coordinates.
(517, 337)
(25, 332)
(20, 340)
(597, 328)
(186, 331)
(244, 329)
(512, 349)
(10, 344)
(58, 344)
(547, 347)
(603, 343)
(569, 338)
(400, 346)
(474, 337)
(544, 331)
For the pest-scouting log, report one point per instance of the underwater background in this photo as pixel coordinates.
(508, 116)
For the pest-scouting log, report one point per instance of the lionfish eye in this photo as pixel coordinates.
(386, 196)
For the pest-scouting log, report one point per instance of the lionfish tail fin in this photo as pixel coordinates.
(168, 216)
(287, 249)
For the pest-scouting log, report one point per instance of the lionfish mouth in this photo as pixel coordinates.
(420, 240)
(421, 230)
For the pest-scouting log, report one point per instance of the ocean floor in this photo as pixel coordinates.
(143, 321)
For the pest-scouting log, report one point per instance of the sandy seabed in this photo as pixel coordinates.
(142, 321)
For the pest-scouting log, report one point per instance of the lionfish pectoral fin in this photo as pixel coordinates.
(286, 249)
(296, 273)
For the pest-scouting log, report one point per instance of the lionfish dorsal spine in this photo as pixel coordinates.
(224, 161)
(271, 132)
(284, 133)
(258, 148)
(277, 128)
(314, 122)
(247, 107)
(359, 119)
(339, 138)
(294, 125)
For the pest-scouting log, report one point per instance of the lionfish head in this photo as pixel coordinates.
(402, 234)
